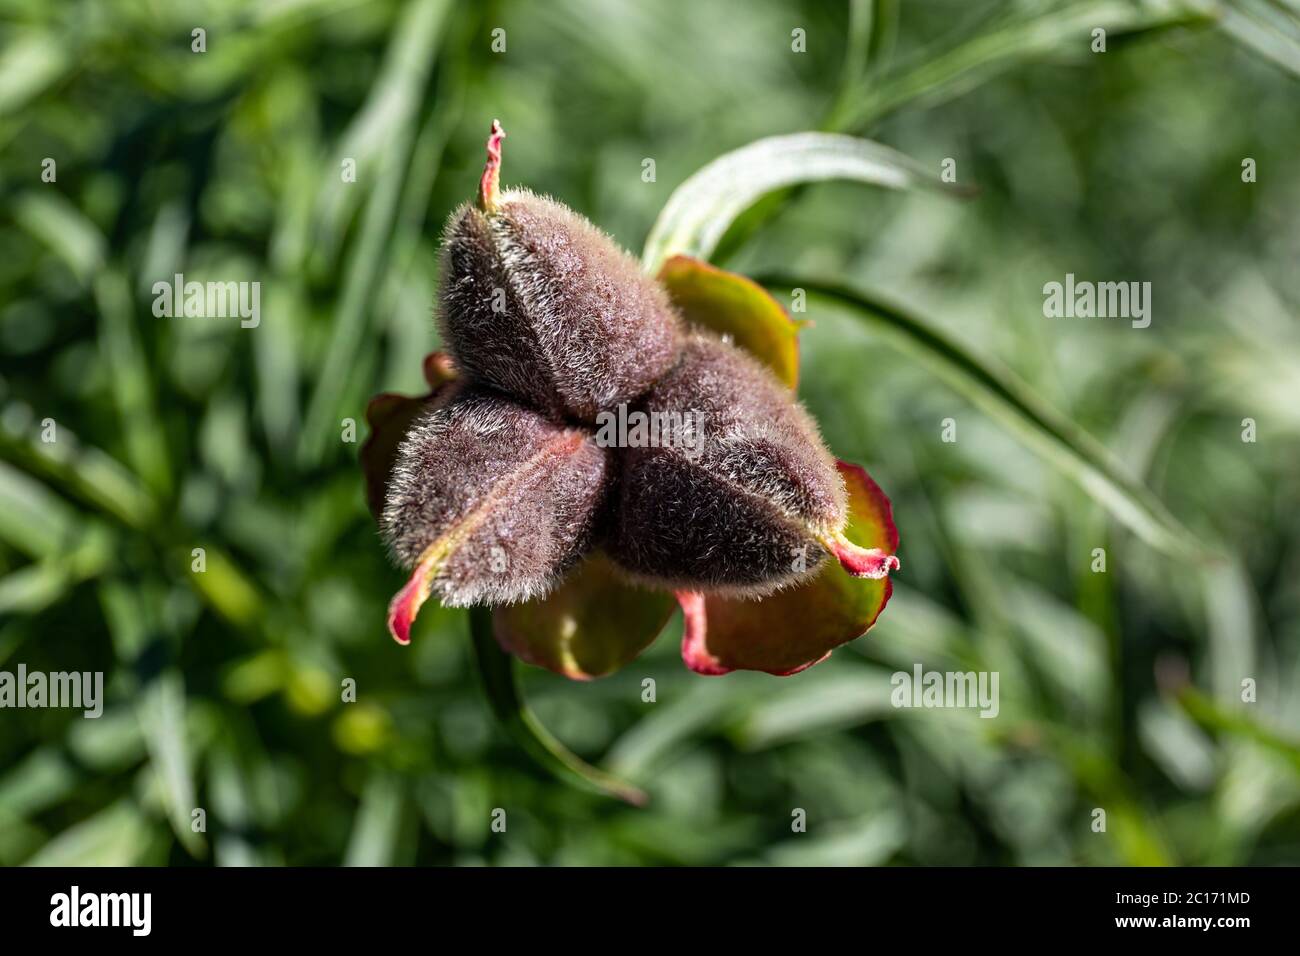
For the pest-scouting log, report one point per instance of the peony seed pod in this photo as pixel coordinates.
(489, 503)
(538, 303)
(752, 504)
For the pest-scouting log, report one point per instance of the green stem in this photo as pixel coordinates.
(501, 684)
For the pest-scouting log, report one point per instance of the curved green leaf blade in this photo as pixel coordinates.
(699, 211)
(1267, 28)
(499, 682)
(1011, 401)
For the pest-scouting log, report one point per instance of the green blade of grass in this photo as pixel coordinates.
(33, 519)
(376, 828)
(65, 230)
(132, 383)
(77, 468)
(939, 75)
(31, 62)
(857, 51)
(415, 42)
(160, 709)
(118, 835)
(35, 587)
(1220, 719)
(1010, 401)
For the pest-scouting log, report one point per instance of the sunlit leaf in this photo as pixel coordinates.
(736, 307)
(161, 710)
(31, 61)
(115, 836)
(377, 823)
(1267, 28)
(76, 240)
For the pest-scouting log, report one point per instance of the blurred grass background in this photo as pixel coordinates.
(1119, 690)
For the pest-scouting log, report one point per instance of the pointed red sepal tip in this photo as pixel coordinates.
(695, 654)
(406, 603)
(489, 186)
(862, 562)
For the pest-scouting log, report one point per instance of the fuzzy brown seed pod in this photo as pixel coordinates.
(753, 506)
(489, 502)
(537, 302)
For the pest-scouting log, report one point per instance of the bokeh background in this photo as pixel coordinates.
(1119, 690)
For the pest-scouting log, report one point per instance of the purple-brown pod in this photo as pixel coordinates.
(745, 501)
(538, 303)
(489, 503)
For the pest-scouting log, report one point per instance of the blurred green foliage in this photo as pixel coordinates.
(1120, 690)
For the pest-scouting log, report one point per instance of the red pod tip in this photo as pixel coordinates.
(490, 183)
